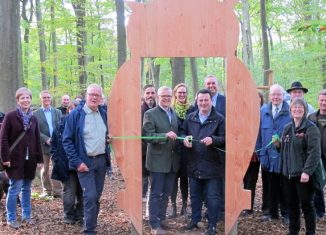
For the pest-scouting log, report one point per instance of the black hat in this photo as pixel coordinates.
(297, 85)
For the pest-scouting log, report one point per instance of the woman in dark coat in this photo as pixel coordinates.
(181, 106)
(300, 156)
(21, 159)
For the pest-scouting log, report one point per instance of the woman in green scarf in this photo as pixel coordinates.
(181, 106)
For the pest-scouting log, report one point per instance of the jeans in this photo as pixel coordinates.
(214, 198)
(22, 186)
(72, 198)
(300, 195)
(319, 200)
(161, 188)
(92, 183)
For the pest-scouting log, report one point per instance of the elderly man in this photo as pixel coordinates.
(85, 140)
(206, 161)
(298, 91)
(65, 100)
(48, 119)
(319, 118)
(149, 96)
(273, 117)
(161, 161)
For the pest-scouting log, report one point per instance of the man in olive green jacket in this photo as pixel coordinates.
(161, 161)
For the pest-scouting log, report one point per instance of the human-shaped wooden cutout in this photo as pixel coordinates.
(184, 28)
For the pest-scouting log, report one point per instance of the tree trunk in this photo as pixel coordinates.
(27, 20)
(122, 46)
(81, 36)
(247, 52)
(194, 74)
(265, 40)
(41, 35)
(178, 70)
(10, 51)
(54, 46)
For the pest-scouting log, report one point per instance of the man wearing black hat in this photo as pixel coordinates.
(298, 91)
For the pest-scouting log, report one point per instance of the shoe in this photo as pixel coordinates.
(266, 218)
(158, 231)
(211, 230)
(191, 225)
(247, 212)
(69, 221)
(29, 221)
(13, 224)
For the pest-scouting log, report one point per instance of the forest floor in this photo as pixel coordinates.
(48, 215)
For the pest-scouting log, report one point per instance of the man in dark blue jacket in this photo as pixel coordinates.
(205, 140)
(85, 142)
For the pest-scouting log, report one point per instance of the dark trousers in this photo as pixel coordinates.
(265, 182)
(92, 183)
(300, 194)
(275, 196)
(320, 200)
(183, 189)
(72, 198)
(250, 180)
(214, 198)
(161, 188)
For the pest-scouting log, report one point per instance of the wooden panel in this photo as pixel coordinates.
(184, 28)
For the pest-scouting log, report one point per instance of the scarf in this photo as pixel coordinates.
(26, 117)
(181, 109)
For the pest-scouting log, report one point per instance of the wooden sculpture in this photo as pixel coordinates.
(184, 28)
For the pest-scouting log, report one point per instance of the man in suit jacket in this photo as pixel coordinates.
(218, 100)
(161, 161)
(48, 119)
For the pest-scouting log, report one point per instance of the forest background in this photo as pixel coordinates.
(63, 45)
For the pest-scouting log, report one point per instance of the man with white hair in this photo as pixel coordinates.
(161, 161)
(273, 117)
(65, 100)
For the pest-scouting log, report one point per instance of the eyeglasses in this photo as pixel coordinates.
(46, 97)
(182, 92)
(94, 95)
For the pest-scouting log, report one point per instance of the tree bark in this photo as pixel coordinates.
(81, 36)
(194, 74)
(178, 70)
(122, 45)
(265, 40)
(54, 46)
(247, 51)
(41, 35)
(10, 51)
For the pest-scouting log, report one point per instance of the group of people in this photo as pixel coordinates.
(74, 137)
(188, 142)
(184, 141)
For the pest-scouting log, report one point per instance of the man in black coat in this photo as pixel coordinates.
(204, 132)
(149, 96)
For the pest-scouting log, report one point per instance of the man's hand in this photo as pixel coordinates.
(187, 141)
(304, 178)
(7, 164)
(171, 135)
(48, 141)
(82, 168)
(207, 141)
(109, 139)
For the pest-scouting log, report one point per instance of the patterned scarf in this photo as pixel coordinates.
(181, 109)
(26, 117)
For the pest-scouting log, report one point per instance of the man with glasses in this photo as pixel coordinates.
(161, 124)
(48, 119)
(85, 140)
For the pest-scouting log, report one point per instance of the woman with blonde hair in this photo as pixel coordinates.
(181, 106)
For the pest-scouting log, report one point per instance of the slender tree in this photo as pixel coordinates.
(265, 40)
(247, 52)
(122, 45)
(194, 74)
(178, 70)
